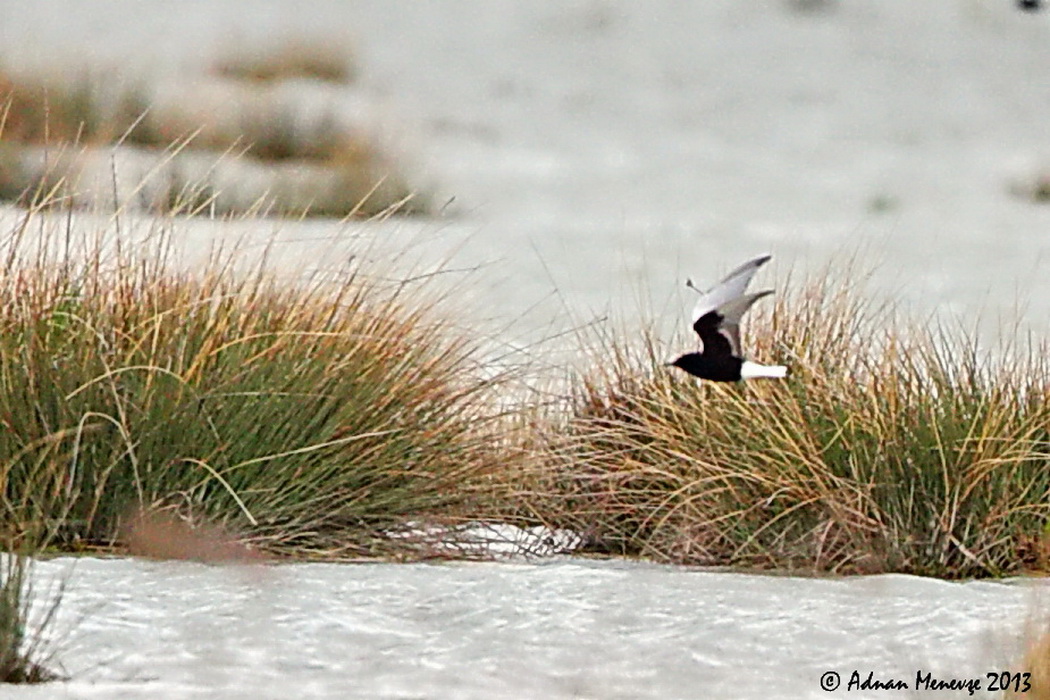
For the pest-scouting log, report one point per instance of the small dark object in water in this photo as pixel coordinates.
(716, 319)
(1030, 5)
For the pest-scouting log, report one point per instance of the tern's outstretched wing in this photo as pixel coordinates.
(716, 316)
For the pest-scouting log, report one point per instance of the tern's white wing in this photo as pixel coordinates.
(722, 296)
(732, 312)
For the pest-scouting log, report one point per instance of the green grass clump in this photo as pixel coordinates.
(888, 448)
(307, 417)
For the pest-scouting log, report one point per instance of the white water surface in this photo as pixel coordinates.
(557, 628)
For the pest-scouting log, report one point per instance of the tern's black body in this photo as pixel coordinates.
(717, 362)
(725, 368)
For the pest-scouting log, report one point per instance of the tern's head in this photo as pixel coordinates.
(685, 362)
(674, 361)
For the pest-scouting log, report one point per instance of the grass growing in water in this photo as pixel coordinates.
(327, 59)
(22, 650)
(246, 144)
(306, 417)
(889, 448)
(310, 418)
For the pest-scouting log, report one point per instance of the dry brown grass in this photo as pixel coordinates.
(308, 417)
(890, 447)
(162, 534)
(327, 59)
(55, 129)
(37, 113)
(184, 181)
(1037, 663)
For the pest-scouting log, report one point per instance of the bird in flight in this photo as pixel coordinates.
(716, 319)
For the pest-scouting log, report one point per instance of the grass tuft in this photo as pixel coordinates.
(890, 447)
(248, 146)
(294, 57)
(310, 418)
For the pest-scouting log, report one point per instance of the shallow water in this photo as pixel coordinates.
(560, 628)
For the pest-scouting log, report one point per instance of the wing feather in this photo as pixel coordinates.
(730, 288)
(716, 316)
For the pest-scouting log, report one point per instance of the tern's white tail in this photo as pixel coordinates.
(753, 370)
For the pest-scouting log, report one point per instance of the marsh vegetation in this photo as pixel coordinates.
(240, 139)
(893, 446)
(313, 417)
